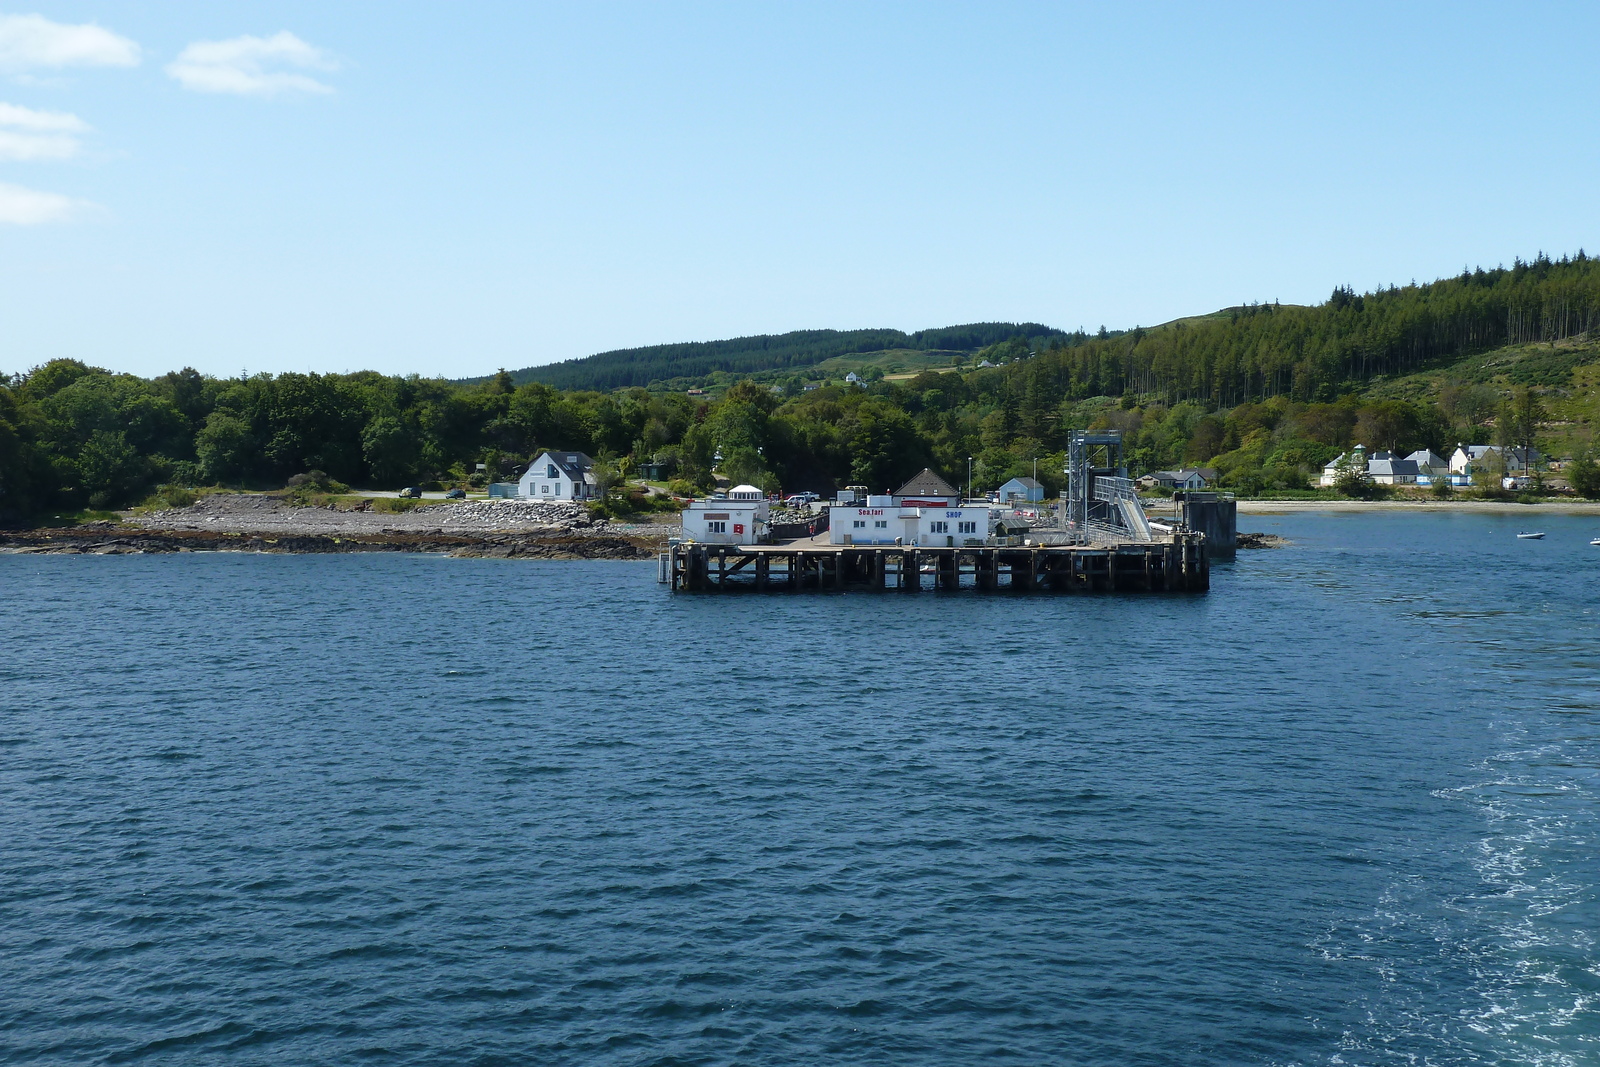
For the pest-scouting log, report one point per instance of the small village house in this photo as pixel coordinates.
(927, 489)
(1386, 468)
(1430, 465)
(1021, 490)
(1470, 459)
(559, 476)
(1184, 478)
(1355, 459)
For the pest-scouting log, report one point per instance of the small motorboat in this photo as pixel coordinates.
(1596, 541)
(1531, 536)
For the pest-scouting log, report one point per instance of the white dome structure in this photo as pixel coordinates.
(746, 492)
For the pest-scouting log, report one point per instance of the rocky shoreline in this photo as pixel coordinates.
(258, 523)
(116, 540)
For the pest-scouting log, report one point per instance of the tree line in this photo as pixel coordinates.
(693, 361)
(1264, 394)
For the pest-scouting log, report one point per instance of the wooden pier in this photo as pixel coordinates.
(1177, 565)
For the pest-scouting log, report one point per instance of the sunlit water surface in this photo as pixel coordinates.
(411, 810)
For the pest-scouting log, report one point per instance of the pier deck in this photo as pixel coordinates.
(1177, 565)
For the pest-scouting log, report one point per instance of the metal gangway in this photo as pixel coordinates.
(1125, 520)
(1100, 505)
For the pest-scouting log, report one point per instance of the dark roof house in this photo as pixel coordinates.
(927, 486)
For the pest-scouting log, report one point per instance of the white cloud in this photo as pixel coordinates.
(27, 135)
(31, 41)
(29, 207)
(245, 65)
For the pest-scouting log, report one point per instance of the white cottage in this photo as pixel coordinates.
(1356, 457)
(724, 522)
(1430, 465)
(1386, 468)
(1469, 458)
(559, 476)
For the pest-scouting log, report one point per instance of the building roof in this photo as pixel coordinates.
(926, 484)
(1425, 457)
(1392, 467)
(574, 465)
(1206, 474)
(1026, 483)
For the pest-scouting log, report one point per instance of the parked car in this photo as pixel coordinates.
(411, 492)
(456, 494)
(798, 500)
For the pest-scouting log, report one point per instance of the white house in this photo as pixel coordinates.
(1469, 458)
(853, 378)
(1386, 468)
(1023, 489)
(724, 521)
(1430, 465)
(1356, 457)
(559, 476)
(1186, 478)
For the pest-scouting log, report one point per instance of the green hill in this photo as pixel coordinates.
(694, 363)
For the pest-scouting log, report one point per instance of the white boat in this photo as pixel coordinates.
(1596, 541)
(1531, 536)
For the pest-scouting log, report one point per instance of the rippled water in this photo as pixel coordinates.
(401, 809)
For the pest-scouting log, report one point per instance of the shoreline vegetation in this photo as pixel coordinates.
(1264, 394)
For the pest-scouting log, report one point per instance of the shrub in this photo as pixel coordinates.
(394, 505)
(1441, 489)
(1584, 477)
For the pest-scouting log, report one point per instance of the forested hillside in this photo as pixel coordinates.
(691, 363)
(1266, 394)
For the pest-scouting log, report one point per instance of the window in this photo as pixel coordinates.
(967, 527)
(859, 524)
(544, 489)
(551, 472)
(940, 527)
(881, 524)
(716, 527)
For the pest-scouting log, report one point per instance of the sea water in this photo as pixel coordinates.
(1343, 809)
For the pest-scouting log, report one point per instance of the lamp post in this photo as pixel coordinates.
(969, 477)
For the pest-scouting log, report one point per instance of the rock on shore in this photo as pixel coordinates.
(257, 523)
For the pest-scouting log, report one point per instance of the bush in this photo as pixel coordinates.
(1584, 477)
(317, 480)
(394, 505)
(1441, 489)
(171, 496)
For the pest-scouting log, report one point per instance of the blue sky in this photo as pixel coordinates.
(451, 188)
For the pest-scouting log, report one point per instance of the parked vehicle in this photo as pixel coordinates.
(456, 494)
(411, 492)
